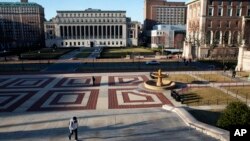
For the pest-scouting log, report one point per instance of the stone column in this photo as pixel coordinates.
(97, 32)
(230, 38)
(80, 31)
(118, 31)
(187, 50)
(67, 32)
(84, 34)
(242, 48)
(106, 31)
(89, 32)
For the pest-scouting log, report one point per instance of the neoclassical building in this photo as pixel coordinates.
(88, 28)
(218, 22)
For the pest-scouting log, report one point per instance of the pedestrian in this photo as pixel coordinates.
(225, 68)
(93, 80)
(234, 74)
(73, 125)
(190, 60)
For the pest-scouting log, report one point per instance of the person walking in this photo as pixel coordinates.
(225, 68)
(73, 125)
(93, 80)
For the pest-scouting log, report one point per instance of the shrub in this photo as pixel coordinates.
(236, 113)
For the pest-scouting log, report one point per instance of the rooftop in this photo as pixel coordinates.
(19, 4)
(90, 10)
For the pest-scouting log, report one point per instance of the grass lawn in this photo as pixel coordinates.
(206, 116)
(85, 53)
(122, 52)
(206, 96)
(243, 73)
(183, 78)
(45, 53)
(240, 90)
(215, 77)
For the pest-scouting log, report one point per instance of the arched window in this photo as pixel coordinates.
(226, 37)
(235, 37)
(217, 37)
(208, 37)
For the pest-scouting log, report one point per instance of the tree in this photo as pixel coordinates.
(236, 113)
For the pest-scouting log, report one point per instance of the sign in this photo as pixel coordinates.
(239, 133)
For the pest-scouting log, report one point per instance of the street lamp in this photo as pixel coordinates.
(22, 62)
(39, 57)
(5, 55)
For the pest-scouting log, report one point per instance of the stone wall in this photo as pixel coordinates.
(246, 61)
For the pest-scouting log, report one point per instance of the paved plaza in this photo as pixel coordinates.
(38, 107)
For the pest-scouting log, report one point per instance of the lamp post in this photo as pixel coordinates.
(5, 55)
(22, 62)
(39, 57)
(139, 61)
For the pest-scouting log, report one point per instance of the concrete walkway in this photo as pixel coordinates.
(38, 108)
(62, 65)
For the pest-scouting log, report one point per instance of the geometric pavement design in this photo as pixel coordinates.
(24, 83)
(133, 98)
(10, 100)
(3, 79)
(65, 94)
(128, 80)
(61, 100)
(86, 81)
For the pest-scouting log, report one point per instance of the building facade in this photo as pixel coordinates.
(163, 12)
(134, 29)
(218, 23)
(88, 28)
(243, 63)
(21, 25)
(168, 36)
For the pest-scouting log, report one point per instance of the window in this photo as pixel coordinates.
(219, 24)
(220, 12)
(239, 12)
(210, 11)
(210, 2)
(239, 3)
(229, 2)
(229, 12)
(228, 23)
(248, 12)
(220, 2)
(210, 24)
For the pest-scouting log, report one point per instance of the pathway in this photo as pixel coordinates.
(62, 64)
(38, 107)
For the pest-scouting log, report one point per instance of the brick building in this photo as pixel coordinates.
(222, 22)
(21, 25)
(163, 12)
(217, 23)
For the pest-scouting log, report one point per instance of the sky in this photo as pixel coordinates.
(134, 8)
